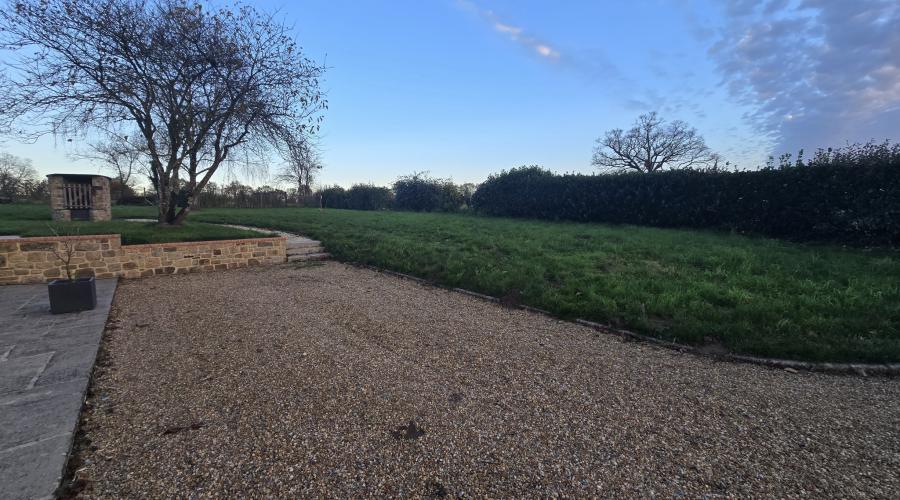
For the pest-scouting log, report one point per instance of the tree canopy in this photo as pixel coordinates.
(651, 145)
(202, 85)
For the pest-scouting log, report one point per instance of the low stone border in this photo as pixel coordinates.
(861, 369)
(35, 260)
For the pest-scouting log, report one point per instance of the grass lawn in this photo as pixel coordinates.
(750, 295)
(34, 220)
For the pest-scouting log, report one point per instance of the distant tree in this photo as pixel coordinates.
(238, 193)
(121, 191)
(369, 197)
(18, 178)
(333, 197)
(123, 159)
(302, 163)
(203, 85)
(468, 191)
(652, 145)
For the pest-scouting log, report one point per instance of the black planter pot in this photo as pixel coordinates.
(72, 295)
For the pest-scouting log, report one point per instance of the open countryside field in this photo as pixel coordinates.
(747, 295)
(34, 220)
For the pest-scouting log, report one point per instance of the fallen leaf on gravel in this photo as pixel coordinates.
(410, 431)
(436, 490)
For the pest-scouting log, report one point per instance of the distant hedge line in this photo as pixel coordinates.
(358, 197)
(420, 193)
(416, 192)
(850, 199)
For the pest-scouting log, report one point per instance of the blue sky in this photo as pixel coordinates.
(466, 88)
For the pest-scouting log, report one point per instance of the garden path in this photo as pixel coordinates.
(45, 367)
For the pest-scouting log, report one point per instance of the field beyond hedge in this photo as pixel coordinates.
(34, 220)
(749, 295)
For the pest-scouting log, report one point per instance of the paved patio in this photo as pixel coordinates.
(45, 365)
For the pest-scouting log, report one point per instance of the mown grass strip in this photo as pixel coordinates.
(34, 220)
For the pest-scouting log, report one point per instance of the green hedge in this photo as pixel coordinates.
(853, 200)
(358, 197)
(420, 193)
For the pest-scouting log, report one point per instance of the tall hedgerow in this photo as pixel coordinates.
(849, 195)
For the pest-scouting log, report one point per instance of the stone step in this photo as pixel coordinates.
(302, 243)
(304, 250)
(308, 257)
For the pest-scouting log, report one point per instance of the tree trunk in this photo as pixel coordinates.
(173, 206)
(168, 203)
(182, 214)
(192, 193)
(163, 202)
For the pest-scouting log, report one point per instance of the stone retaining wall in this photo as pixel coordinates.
(32, 260)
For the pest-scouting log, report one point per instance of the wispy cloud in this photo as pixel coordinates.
(816, 72)
(512, 31)
(592, 64)
(546, 51)
(515, 33)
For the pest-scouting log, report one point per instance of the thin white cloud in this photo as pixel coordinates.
(595, 65)
(512, 31)
(546, 51)
(515, 33)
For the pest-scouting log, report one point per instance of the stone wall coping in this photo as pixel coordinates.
(207, 242)
(54, 239)
(88, 237)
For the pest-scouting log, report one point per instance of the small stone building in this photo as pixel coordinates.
(79, 197)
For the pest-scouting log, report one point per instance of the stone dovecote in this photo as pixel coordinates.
(79, 197)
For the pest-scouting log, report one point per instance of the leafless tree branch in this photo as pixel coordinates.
(202, 85)
(302, 163)
(652, 145)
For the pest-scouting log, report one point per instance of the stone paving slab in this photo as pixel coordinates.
(45, 367)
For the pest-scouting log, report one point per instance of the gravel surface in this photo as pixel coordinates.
(335, 381)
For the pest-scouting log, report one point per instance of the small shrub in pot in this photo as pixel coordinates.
(70, 294)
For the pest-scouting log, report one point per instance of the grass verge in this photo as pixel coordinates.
(749, 295)
(34, 220)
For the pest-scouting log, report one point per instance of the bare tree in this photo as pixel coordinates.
(652, 145)
(64, 252)
(17, 176)
(123, 158)
(203, 85)
(302, 163)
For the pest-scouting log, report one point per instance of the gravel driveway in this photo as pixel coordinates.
(336, 381)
